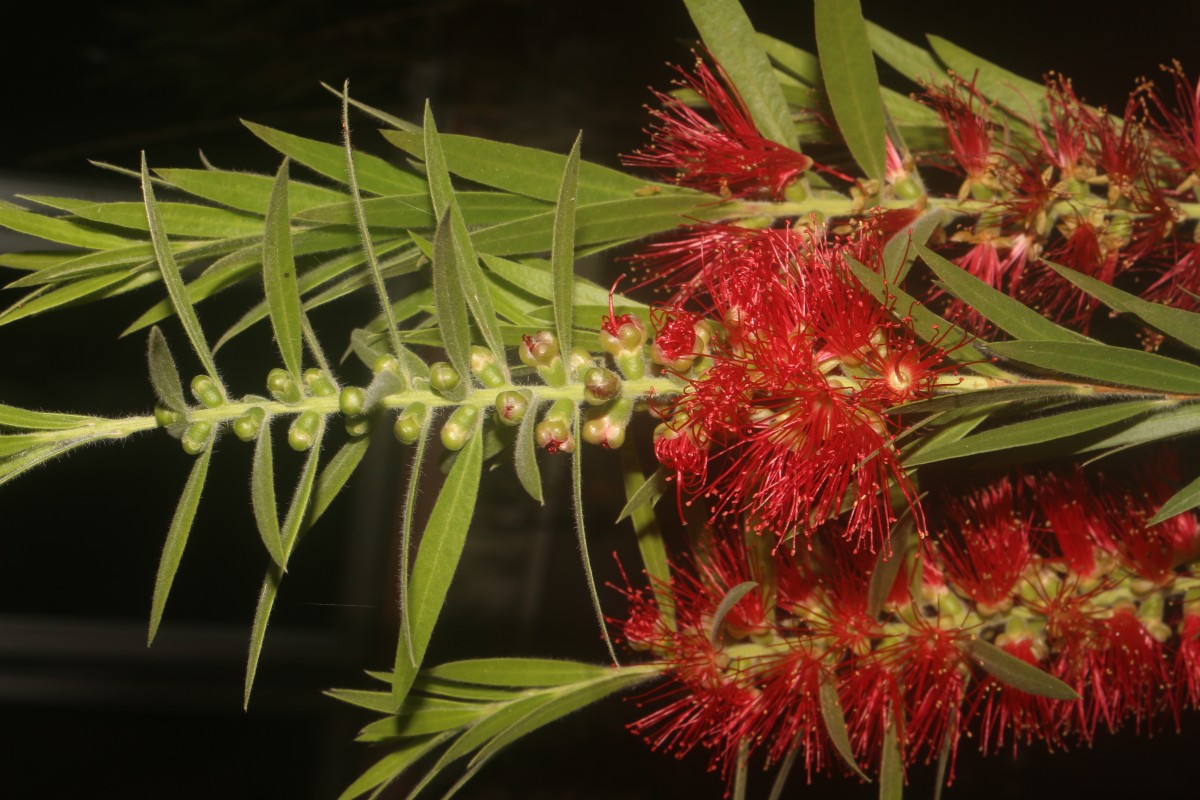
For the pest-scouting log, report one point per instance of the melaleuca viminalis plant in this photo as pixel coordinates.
(856, 293)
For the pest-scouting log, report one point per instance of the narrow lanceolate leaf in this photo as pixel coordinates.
(246, 192)
(1185, 499)
(651, 545)
(1179, 421)
(730, 600)
(800, 64)
(335, 474)
(1016, 672)
(1014, 393)
(887, 565)
(835, 723)
(914, 63)
(438, 554)
(279, 276)
(848, 69)
(646, 492)
(577, 503)
(1174, 322)
(464, 262)
(13, 417)
(177, 535)
(741, 770)
(562, 253)
(525, 453)
(293, 524)
(1035, 431)
(262, 493)
(173, 281)
(364, 232)
(404, 647)
(390, 767)
(164, 376)
(891, 768)
(995, 83)
(730, 38)
(901, 250)
(518, 672)
(60, 231)
(1011, 316)
(449, 302)
(1120, 366)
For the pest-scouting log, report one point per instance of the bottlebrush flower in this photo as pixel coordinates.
(1178, 126)
(963, 110)
(792, 410)
(727, 157)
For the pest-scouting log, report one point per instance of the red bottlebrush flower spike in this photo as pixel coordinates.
(729, 157)
(984, 544)
(968, 131)
(1178, 125)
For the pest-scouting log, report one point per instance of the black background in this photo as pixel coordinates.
(84, 710)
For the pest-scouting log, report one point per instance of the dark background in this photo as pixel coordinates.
(84, 708)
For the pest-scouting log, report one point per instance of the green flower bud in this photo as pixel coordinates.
(318, 383)
(600, 385)
(357, 426)
(459, 427)
(602, 430)
(443, 377)
(352, 401)
(282, 387)
(207, 391)
(581, 361)
(538, 350)
(303, 431)
(484, 367)
(165, 416)
(554, 435)
(386, 363)
(195, 438)
(409, 423)
(511, 407)
(246, 426)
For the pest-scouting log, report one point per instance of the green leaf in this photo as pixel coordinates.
(188, 220)
(539, 281)
(372, 701)
(577, 504)
(1185, 499)
(125, 260)
(374, 174)
(1116, 365)
(20, 418)
(61, 231)
(177, 535)
(891, 768)
(1017, 672)
(279, 277)
(559, 706)
(1034, 431)
(914, 63)
(247, 192)
(518, 672)
(848, 69)
(422, 715)
(524, 170)
(562, 253)
(835, 723)
(76, 291)
(647, 492)
(404, 645)
(730, 38)
(174, 282)
(796, 62)
(887, 565)
(525, 453)
(1017, 94)
(382, 116)
(388, 768)
(1010, 315)
(164, 376)
(463, 262)
(450, 302)
(730, 600)
(335, 474)
(1014, 393)
(1174, 322)
(293, 524)
(262, 493)
(901, 250)
(438, 554)
(1163, 424)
